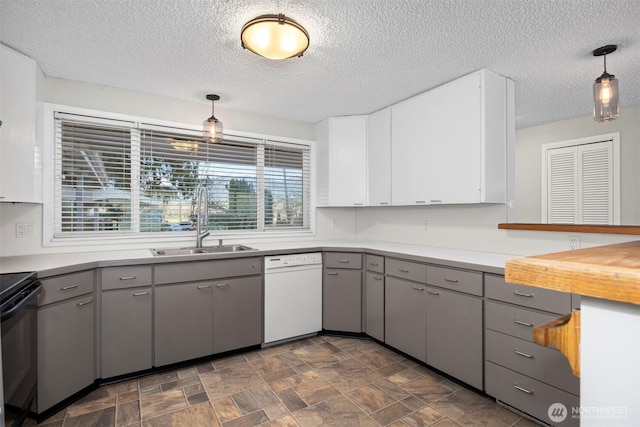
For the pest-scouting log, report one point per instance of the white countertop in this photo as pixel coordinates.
(51, 264)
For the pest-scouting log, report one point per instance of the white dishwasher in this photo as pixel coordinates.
(292, 296)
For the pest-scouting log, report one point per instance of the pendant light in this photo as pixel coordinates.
(605, 90)
(212, 127)
(274, 37)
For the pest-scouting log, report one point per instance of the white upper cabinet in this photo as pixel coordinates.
(342, 161)
(379, 158)
(409, 151)
(21, 85)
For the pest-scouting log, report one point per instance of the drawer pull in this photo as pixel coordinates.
(80, 304)
(524, 390)
(344, 261)
(375, 264)
(384, 203)
(66, 288)
(332, 273)
(139, 294)
(436, 201)
(204, 286)
(377, 277)
(421, 201)
(521, 294)
(519, 353)
(221, 285)
(433, 292)
(403, 270)
(127, 277)
(446, 279)
(418, 288)
(520, 322)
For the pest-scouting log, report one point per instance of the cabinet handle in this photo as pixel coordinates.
(433, 292)
(139, 294)
(384, 203)
(204, 286)
(358, 204)
(521, 294)
(519, 353)
(344, 261)
(80, 304)
(418, 288)
(127, 277)
(376, 277)
(520, 322)
(375, 264)
(66, 288)
(403, 270)
(221, 285)
(331, 273)
(524, 390)
(421, 201)
(446, 279)
(436, 201)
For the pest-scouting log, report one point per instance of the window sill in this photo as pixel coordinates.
(573, 228)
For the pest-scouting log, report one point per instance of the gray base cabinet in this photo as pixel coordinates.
(66, 349)
(342, 300)
(374, 305)
(454, 335)
(126, 331)
(183, 322)
(406, 317)
(237, 313)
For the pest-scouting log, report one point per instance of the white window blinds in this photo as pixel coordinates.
(115, 177)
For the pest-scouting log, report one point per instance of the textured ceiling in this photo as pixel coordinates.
(364, 54)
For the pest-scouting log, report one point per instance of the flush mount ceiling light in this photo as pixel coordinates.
(212, 127)
(605, 90)
(274, 37)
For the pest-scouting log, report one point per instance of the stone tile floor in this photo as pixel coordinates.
(318, 381)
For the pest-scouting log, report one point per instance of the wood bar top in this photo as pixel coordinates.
(609, 272)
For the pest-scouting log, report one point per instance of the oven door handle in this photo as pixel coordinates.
(20, 301)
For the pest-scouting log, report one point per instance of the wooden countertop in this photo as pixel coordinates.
(609, 272)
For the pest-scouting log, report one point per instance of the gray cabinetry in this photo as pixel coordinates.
(405, 316)
(519, 372)
(454, 334)
(342, 292)
(66, 337)
(374, 305)
(183, 322)
(237, 313)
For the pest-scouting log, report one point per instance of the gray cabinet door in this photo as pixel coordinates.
(183, 322)
(66, 352)
(342, 300)
(454, 335)
(237, 313)
(405, 316)
(126, 331)
(374, 305)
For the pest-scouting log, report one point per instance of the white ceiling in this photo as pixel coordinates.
(364, 54)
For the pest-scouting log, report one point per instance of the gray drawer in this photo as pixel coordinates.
(342, 260)
(542, 363)
(528, 296)
(374, 263)
(513, 320)
(206, 270)
(458, 280)
(406, 270)
(125, 277)
(528, 395)
(59, 288)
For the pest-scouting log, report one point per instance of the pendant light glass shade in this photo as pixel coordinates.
(274, 37)
(606, 97)
(212, 127)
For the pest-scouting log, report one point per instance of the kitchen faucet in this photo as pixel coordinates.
(202, 193)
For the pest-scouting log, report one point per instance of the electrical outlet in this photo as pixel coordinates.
(333, 224)
(574, 243)
(25, 229)
(426, 224)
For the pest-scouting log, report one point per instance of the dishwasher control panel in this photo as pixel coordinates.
(292, 260)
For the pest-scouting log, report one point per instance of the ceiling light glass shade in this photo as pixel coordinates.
(274, 37)
(212, 127)
(606, 105)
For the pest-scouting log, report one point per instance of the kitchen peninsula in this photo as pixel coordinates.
(608, 278)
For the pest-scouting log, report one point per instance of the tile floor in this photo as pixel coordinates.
(318, 381)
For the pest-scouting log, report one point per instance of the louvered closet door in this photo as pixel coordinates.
(595, 187)
(562, 178)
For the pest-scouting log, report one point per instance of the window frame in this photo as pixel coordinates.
(152, 238)
(615, 139)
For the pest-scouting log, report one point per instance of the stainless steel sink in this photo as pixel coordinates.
(205, 250)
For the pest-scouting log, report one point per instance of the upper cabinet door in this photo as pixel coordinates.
(342, 161)
(409, 151)
(453, 139)
(379, 157)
